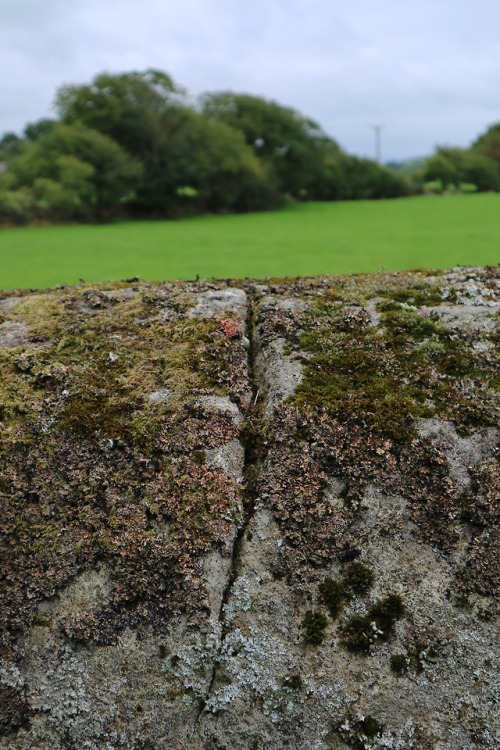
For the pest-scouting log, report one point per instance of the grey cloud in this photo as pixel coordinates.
(25, 14)
(428, 69)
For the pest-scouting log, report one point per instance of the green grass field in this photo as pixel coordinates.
(303, 239)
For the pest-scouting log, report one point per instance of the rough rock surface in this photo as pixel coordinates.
(258, 516)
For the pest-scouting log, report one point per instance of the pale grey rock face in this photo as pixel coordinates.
(9, 303)
(159, 396)
(277, 372)
(13, 333)
(229, 457)
(176, 616)
(212, 303)
(223, 405)
(462, 453)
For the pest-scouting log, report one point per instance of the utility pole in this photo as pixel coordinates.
(378, 142)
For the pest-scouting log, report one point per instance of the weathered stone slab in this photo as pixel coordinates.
(253, 516)
(121, 499)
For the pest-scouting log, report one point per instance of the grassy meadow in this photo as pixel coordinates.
(302, 239)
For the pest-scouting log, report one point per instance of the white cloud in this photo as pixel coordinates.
(430, 69)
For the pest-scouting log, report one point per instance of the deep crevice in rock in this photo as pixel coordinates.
(252, 463)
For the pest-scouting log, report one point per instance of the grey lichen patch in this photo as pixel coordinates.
(229, 457)
(216, 570)
(75, 607)
(159, 696)
(8, 303)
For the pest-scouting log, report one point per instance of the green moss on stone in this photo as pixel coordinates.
(415, 658)
(419, 295)
(314, 624)
(399, 664)
(371, 727)
(402, 323)
(385, 614)
(359, 578)
(200, 457)
(462, 601)
(357, 378)
(360, 633)
(333, 595)
(383, 379)
(488, 613)
(293, 682)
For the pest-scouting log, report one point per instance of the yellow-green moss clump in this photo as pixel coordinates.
(384, 377)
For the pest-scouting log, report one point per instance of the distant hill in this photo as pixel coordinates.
(408, 166)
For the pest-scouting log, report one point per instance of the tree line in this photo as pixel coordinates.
(476, 169)
(134, 145)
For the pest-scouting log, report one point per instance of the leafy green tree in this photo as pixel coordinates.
(441, 167)
(488, 144)
(131, 142)
(302, 157)
(147, 114)
(96, 174)
(16, 206)
(266, 125)
(11, 146)
(130, 108)
(239, 152)
(72, 195)
(35, 130)
(205, 166)
(364, 179)
(455, 166)
(481, 171)
(225, 170)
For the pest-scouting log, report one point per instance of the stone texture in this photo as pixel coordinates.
(171, 513)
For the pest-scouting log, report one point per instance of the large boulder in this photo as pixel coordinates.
(258, 515)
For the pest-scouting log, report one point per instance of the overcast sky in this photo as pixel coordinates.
(428, 70)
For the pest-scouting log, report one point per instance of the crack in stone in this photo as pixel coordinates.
(251, 460)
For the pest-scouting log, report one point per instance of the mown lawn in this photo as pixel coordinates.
(304, 239)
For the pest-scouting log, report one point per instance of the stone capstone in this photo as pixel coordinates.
(257, 516)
